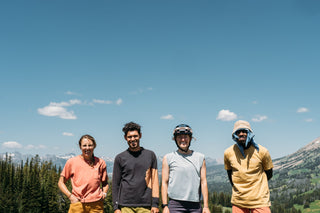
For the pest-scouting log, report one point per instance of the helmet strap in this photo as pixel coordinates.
(182, 150)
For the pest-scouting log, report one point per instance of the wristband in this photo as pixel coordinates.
(164, 205)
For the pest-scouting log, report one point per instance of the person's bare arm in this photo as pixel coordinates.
(164, 185)
(204, 188)
(65, 190)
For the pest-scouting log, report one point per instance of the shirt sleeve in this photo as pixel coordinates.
(227, 165)
(116, 180)
(67, 170)
(154, 161)
(103, 171)
(267, 161)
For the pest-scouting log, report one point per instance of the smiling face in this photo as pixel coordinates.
(87, 146)
(242, 134)
(183, 141)
(133, 140)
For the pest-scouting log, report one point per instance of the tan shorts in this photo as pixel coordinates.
(94, 207)
(236, 209)
(135, 210)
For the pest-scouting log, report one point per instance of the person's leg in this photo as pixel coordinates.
(76, 208)
(236, 209)
(193, 207)
(135, 210)
(176, 206)
(142, 210)
(261, 210)
(94, 207)
(127, 210)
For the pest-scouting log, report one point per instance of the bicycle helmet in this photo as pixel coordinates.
(182, 129)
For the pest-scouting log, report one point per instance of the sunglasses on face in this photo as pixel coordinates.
(241, 131)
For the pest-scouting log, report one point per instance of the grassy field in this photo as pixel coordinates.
(314, 207)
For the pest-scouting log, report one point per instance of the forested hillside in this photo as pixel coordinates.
(31, 187)
(296, 180)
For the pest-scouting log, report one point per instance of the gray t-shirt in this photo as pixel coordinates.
(184, 176)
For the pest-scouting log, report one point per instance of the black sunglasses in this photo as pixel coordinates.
(241, 130)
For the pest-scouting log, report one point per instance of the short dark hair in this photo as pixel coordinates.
(131, 126)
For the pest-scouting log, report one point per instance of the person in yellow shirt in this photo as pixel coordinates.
(249, 167)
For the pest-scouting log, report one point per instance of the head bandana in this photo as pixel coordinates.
(250, 139)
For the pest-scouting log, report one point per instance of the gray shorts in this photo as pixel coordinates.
(178, 206)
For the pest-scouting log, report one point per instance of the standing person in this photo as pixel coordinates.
(135, 183)
(87, 173)
(249, 167)
(184, 176)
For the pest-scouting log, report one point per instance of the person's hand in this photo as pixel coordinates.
(73, 199)
(205, 210)
(104, 195)
(166, 210)
(154, 210)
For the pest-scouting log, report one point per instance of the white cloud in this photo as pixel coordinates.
(59, 110)
(74, 101)
(167, 117)
(259, 118)
(72, 93)
(67, 134)
(66, 104)
(102, 101)
(226, 115)
(119, 101)
(302, 110)
(11, 145)
(308, 120)
(99, 101)
(42, 146)
(255, 102)
(140, 91)
(30, 146)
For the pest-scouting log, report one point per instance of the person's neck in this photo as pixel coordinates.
(137, 149)
(187, 152)
(245, 147)
(90, 160)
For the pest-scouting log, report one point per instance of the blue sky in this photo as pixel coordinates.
(70, 68)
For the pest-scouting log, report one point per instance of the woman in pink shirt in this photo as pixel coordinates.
(87, 173)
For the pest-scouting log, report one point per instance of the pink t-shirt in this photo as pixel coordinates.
(85, 179)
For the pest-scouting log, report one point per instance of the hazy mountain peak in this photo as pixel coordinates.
(307, 154)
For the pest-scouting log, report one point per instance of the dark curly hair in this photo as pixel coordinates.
(131, 126)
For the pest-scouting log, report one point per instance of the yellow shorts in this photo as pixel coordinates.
(94, 207)
(135, 210)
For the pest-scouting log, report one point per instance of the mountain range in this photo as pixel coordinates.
(60, 160)
(305, 162)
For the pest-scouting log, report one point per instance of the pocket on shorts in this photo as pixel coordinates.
(75, 207)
